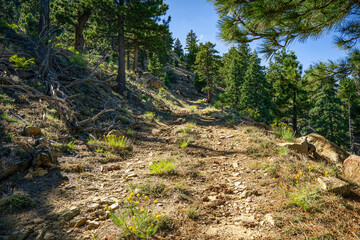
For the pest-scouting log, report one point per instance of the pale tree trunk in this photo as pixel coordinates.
(44, 21)
(121, 77)
(79, 28)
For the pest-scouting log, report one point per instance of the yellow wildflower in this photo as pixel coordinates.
(274, 178)
(114, 200)
(123, 199)
(300, 173)
(142, 210)
(158, 216)
(109, 213)
(155, 201)
(146, 197)
(285, 168)
(143, 195)
(309, 167)
(136, 202)
(109, 208)
(326, 173)
(297, 181)
(138, 195)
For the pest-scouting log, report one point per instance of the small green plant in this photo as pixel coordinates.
(306, 198)
(192, 108)
(14, 202)
(99, 150)
(150, 115)
(21, 62)
(116, 142)
(71, 145)
(193, 213)
(283, 151)
(271, 168)
(135, 216)
(155, 189)
(92, 141)
(283, 131)
(77, 58)
(162, 167)
(184, 143)
(130, 132)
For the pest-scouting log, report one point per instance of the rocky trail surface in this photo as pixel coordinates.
(213, 178)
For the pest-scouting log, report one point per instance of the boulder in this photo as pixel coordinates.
(335, 185)
(300, 147)
(92, 224)
(327, 150)
(31, 131)
(155, 83)
(352, 168)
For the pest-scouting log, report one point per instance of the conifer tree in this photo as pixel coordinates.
(178, 49)
(255, 99)
(326, 116)
(155, 66)
(285, 76)
(234, 66)
(192, 49)
(207, 67)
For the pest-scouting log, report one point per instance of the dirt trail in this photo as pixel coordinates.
(214, 179)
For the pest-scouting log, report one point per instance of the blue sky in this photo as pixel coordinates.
(201, 17)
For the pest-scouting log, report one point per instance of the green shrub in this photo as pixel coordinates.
(162, 167)
(14, 202)
(135, 217)
(283, 131)
(306, 198)
(21, 62)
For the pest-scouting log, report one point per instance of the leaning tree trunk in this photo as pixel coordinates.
(121, 51)
(79, 28)
(44, 21)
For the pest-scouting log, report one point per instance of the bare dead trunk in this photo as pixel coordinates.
(44, 21)
(79, 28)
(121, 77)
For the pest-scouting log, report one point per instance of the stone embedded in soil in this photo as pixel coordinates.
(92, 224)
(352, 168)
(114, 206)
(19, 235)
(71, 213)
(31, 131)
(81, 222)
(108, 200)
(268, 218)
(94, 206)
(132, 175)
(335, 185)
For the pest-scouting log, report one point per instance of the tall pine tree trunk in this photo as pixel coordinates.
(136, 56)
(121, 51)
(79, 28)
(44, 21)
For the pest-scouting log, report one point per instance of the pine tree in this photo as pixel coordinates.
(326, 116)
(178, 50)
(155, 66)
(207, 67)
(255, 99)
(192, 49)
(281, 22)
(285, 76)
(234, 66)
